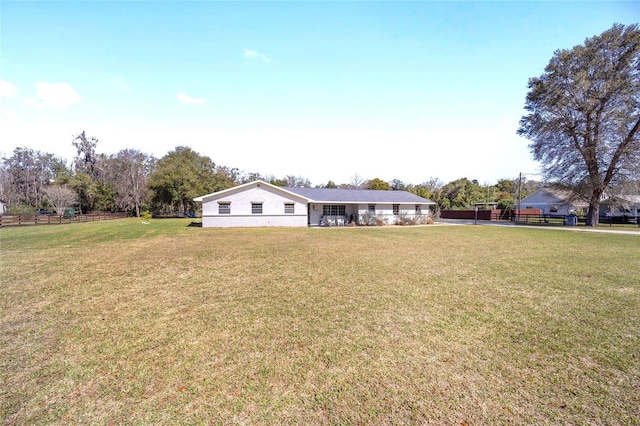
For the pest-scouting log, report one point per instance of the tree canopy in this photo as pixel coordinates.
(463, 193)
(27, 173)
(182, 175)
(583, 115)
(131, 170)
(379, 184)
(133, 181)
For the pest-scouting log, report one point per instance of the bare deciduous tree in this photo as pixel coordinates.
(26, 173)
(61, 197)
(583, 115)
(130, 173)
(7, 192)
(357, 182)
(86, 158)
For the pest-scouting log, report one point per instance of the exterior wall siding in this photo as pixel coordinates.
(545, 208)
(272, 201)
(385, 212)
(228, 221)
(315, 214)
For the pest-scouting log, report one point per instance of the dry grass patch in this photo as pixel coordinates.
(120, 322)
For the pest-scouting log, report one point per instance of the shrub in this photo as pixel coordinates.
(22, 209)
(367, 219)
(145, 215)
(403, 219)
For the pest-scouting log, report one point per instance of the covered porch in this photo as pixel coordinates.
(321, 214)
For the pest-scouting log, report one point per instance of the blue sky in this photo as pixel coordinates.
(323, 90)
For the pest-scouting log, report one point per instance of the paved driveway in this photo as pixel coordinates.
(635, 231)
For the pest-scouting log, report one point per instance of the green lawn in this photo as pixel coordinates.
(121, 322)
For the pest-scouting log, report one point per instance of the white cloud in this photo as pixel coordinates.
(7, 90)
(53, 95)
(248, 53)
(186, 99)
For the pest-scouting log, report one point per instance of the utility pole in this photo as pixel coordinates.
(519, 187)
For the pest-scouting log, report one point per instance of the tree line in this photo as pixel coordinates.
(134, 181)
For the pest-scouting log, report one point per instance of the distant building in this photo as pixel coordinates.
(554, 202)
(622, 205)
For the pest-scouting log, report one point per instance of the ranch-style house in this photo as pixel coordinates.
(558, 202)
(554, 202)
(260, 203)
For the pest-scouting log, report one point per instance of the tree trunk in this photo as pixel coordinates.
(593, 214)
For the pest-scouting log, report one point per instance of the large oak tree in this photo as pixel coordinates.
(182, 175)
(583, 115)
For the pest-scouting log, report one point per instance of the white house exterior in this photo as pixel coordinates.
(253, 204)
(262, 204)
(623, 205)
(554, 202)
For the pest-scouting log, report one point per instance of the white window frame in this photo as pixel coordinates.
(396, 209)
(256, 207)
(224, 207)
(334, 210)
(289, 208)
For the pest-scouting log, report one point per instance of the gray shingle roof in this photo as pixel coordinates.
(363, 196)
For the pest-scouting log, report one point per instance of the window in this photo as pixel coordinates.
(553, 209)
(224, 208)
(372, 208)
(396, 209)
(418, 209)
(256, 208)
(289, 208)
(333, 210)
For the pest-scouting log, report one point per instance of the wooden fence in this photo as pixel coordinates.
(51, 219)
(472, 214)
(492, 215)
(532, 216)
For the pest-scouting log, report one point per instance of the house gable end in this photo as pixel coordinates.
(248, 186)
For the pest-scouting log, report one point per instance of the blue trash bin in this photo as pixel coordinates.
(571, 220)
